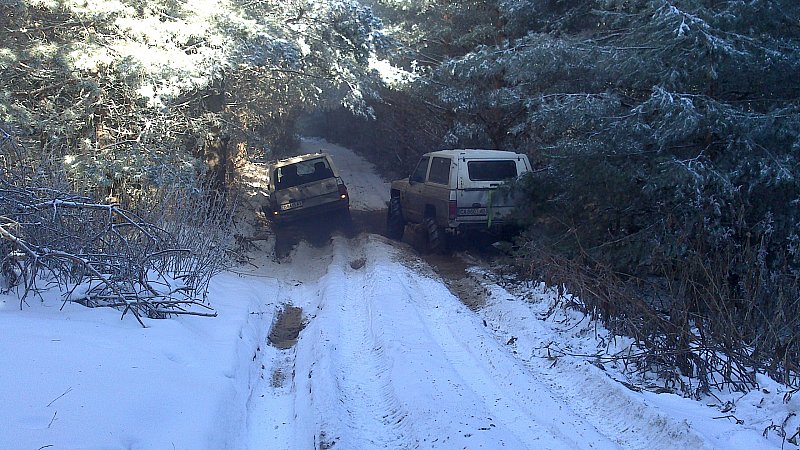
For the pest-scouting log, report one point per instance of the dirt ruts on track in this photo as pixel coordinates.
(287, 327)
(452, 267)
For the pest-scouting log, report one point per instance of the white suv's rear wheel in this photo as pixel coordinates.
(436, 237)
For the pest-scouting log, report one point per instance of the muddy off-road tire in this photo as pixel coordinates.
(436, 237)
(395, 224)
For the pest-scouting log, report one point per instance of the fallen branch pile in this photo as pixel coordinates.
(96, 254)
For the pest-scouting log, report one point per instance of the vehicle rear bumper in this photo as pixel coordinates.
(484, 225)
(311, 211)
(501, 217)
(498, 225)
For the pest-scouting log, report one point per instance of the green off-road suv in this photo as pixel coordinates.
(303, 186)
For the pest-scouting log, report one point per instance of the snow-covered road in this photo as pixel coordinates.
(388, 358)
(391, 359)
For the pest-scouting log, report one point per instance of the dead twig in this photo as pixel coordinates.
(731, 416)
(65, 393)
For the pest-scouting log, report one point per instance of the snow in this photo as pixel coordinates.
(389, 358)
(83, 378)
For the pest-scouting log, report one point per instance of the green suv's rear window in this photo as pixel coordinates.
(302, 172)
(492, 170)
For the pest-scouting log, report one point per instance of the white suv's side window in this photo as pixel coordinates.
(419, 172)
(440, 171)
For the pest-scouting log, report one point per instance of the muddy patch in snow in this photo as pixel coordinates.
(369, 221)
(287, 327)
(374, 222)
(285, 240)
(453, 270)
(357, 264)
(277, 378)
(317, 231)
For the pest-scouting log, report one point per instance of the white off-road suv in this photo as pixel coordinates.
(452, 191)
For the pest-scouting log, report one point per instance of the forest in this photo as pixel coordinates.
(665, 137)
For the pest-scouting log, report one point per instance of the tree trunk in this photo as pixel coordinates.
(216, 153)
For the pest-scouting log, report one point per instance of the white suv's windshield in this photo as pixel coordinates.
(492, 170)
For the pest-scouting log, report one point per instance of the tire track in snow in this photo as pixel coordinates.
(390, 359)
(480, 397)
(280, 406)
(271, 406)
(343, 397)
(372, 413)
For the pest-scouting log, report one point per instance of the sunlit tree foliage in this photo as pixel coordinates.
(140, 92)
